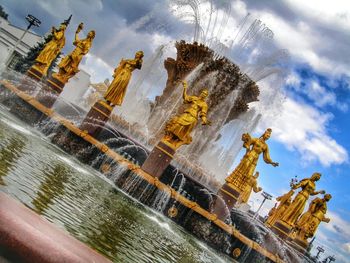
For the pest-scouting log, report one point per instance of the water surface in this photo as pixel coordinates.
(83, 202)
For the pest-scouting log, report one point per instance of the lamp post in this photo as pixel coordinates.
(33, 21)
(331, 259)
(320, 250)
(266, 196)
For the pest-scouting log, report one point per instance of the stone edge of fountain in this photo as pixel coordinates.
(28, 237)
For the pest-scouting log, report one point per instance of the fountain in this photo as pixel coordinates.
(159, 171)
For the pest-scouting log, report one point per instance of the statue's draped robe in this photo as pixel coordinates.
(182, 126)
(297, 206)
(51, 49)
(122, 74)
(69, 64)
(245, 169)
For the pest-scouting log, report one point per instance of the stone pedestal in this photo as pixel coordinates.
(96, 118)
(159, 159)
(229, 196)
(49, 93)
(299, 244)
(282, 229)
(34, 73)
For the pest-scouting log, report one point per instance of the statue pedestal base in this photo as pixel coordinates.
(159, 159)
(299, 244)
(33, 73)
(96, 118)
(49, 93)
(282, 229)
(230, 195)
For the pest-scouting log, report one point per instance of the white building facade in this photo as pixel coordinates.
(9, 35)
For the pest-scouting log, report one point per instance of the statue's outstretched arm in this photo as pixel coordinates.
(318, 192)
(76, 37)
(267, 157)
(256, 188)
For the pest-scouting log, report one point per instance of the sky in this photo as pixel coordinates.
(311, 125)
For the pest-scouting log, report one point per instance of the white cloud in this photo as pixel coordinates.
(314, 35)
(336, 12)
(97, 68)
(320, 95)
(302, 127)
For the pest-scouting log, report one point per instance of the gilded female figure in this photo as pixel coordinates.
(122, 74)
(51, 49)
(246, 167)
(277, 212)
(68, 66)
(179, 128)
(310, 220)
(297, 206)
(251, 185)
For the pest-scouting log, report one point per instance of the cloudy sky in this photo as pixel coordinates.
(310, 129)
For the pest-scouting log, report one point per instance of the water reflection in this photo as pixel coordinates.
(11, 149)
(52, 187)
(81, 201)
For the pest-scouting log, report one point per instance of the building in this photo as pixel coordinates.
(9, 35)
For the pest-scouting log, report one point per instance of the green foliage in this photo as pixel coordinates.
(3, 14)
(26, 62)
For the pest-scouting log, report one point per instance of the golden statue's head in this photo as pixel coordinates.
(63, 26)
(139, 54)
(316, 176)
(267, 134)
(327, 197)
(204, 93)
(91, 34)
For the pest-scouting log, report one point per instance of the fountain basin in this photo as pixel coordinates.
(194, 217)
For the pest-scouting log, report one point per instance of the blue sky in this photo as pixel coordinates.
(310, 129)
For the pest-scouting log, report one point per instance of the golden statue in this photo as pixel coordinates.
(179, 128)
(296, 208)
(308, 223)
(68, 66)
(251, 185)
(51, 49)
(245, 169)
(122, 75)
(277, 212)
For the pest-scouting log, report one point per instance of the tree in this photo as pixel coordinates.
(3, 14)
(26, 62)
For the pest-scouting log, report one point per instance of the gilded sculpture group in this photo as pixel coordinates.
(178, 132)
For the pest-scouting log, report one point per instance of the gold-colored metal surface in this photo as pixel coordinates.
(173, 212)
(122, 74)
(296, 208)
(251, 185)
(308, 223)
(51, 49)
(277, 211)
(246, 168)
(178, 129)
(68, 66)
